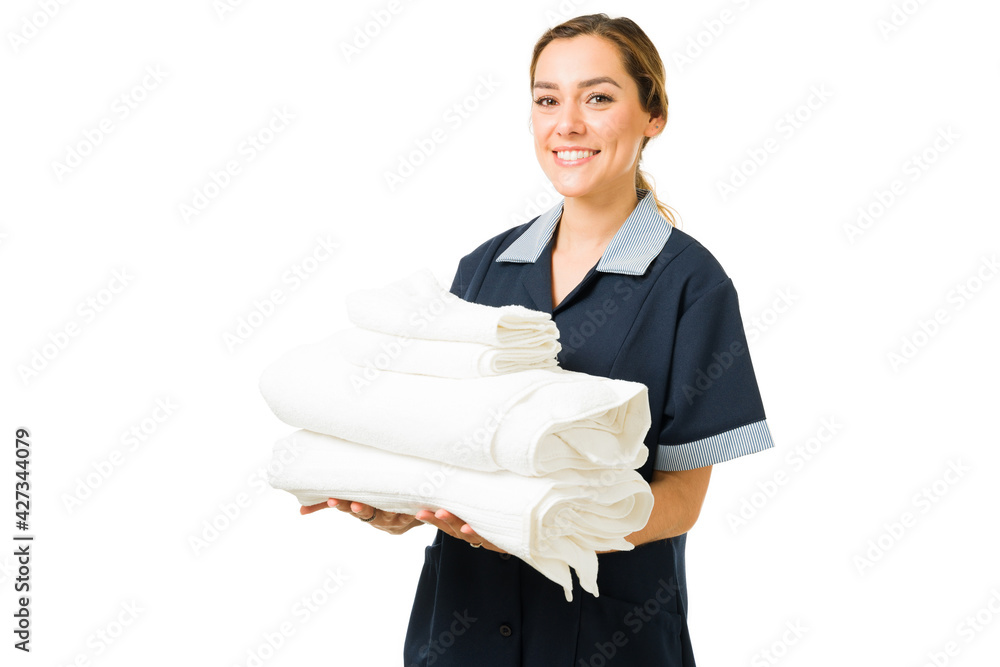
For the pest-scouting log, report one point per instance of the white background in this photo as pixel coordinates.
(850, 301)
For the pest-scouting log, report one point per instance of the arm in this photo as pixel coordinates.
(677, 500)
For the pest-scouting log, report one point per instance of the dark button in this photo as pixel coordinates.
(505, 630)
(505, 556)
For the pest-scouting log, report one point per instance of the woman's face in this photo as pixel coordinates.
(587, 105)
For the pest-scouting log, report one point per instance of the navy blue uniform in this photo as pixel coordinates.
(657, 309)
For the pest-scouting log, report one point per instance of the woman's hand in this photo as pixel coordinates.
(391, 522)
(455, 527)
(396, 524)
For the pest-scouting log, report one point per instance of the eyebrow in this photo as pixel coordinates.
(583, 84)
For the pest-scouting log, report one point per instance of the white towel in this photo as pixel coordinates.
(532, 422)
(402, 354)
(419, 307)
(552, 523)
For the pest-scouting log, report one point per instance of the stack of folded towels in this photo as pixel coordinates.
(431, 402)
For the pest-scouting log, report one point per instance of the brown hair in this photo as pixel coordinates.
(640, 60)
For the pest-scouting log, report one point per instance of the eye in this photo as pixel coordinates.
(601, 97)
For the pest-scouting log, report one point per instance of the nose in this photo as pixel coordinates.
(570, 120)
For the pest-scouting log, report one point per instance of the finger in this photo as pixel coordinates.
(472, 536)
(453, 522)
(356, 509)
(428, 517)
(362, 511)
(455, 527)
(342, 505)
(459, 528)
(431, 518)
(309, 509)
(476, 538)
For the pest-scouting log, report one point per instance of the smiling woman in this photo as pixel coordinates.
(634, 299)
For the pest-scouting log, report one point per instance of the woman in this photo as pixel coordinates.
(634, 299)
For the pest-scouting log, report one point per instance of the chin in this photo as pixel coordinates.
(572, 189)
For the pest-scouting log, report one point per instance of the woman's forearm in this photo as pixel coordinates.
(677, 500)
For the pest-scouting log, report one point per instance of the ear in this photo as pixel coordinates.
(655, 125)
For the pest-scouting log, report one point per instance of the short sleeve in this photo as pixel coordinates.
(713, 409)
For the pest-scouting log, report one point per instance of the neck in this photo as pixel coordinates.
(590, 222)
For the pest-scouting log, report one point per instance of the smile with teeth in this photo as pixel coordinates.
(575, 156)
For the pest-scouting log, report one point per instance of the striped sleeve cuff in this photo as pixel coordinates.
(749, 439)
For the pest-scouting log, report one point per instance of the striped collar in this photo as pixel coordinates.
(636, 243)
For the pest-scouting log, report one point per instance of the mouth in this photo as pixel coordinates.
(573, 158)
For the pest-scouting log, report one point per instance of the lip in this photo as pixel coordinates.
(573, 163)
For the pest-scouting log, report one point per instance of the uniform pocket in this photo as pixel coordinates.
(637, 619)
(641, 577)
(622, 633)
